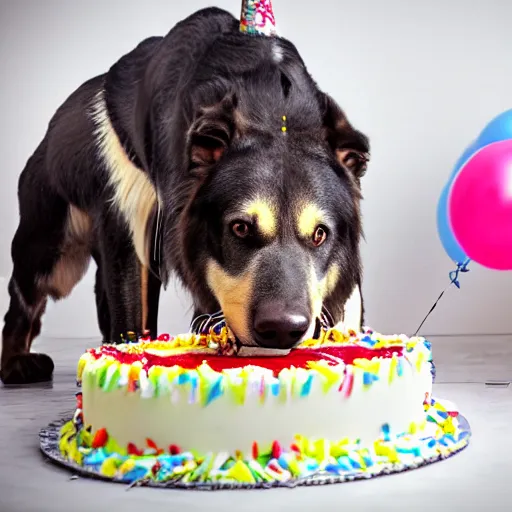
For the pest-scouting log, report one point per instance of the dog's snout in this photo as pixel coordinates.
(276, 326)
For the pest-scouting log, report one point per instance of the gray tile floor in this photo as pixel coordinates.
(479, 478)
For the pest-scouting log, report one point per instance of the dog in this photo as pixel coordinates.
(208, 154)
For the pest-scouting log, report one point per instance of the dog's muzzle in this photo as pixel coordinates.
(204, 324)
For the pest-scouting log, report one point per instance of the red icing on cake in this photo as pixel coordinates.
(296, 358)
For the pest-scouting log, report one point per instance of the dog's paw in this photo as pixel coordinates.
(27, 369)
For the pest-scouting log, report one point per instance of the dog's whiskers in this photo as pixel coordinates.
(202, 324)
(326, 318)
(198, 322)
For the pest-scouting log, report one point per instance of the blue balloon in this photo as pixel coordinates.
(450, 244)
(500, 128)
(466, 155)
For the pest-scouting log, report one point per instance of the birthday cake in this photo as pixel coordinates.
(190, 410)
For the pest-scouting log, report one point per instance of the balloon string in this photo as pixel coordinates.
(454, 279)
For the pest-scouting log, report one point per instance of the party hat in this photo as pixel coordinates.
(257, 17)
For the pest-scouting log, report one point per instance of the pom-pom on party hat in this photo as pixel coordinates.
(257, 17)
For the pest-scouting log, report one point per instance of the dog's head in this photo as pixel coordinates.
(271, 233)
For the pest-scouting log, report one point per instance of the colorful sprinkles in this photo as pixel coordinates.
(171, 364)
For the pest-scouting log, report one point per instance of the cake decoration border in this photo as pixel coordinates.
(136, 366)
(453, 434)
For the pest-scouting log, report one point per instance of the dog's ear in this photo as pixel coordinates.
(211, 134)
(350, 146)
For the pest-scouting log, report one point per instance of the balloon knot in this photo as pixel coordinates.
(454, 274)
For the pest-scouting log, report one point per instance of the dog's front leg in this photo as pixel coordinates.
(131, 290)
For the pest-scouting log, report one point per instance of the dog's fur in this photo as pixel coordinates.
(150, 167)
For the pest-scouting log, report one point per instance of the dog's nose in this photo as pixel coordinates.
(277, 327)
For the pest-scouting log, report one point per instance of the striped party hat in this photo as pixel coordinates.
(257, 17)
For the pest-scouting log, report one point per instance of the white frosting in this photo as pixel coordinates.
(225, 426)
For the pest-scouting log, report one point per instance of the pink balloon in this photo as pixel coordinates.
(480, 206)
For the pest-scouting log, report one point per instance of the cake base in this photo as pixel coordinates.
(49, 443)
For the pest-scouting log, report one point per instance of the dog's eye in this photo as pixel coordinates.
(240, 229)
(319, 236)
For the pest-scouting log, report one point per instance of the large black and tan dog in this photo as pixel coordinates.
(208, 153)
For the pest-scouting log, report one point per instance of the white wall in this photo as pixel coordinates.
(421, 78)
